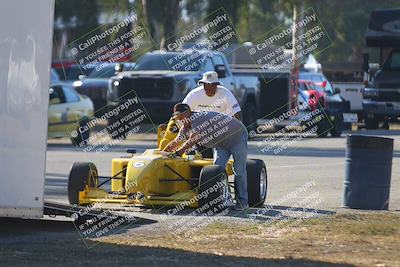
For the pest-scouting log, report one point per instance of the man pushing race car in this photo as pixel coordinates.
(214, 130)
(212, 96)
(174, 172)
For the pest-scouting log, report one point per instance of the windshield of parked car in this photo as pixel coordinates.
(318, 80)
(328, 87)
(169, 61)
(102, 71)
(393, 61)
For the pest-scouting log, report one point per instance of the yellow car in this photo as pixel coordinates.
(68, 111)
(153, 179)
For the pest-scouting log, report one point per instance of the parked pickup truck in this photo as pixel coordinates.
(381, 96)
(161, 79)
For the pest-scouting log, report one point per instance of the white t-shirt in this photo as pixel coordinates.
(223, 101)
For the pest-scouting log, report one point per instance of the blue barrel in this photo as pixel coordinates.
(368, 172)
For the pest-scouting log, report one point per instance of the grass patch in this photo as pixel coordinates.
(360, 238)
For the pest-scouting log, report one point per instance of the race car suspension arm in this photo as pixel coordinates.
(180, 176)
(108, 178)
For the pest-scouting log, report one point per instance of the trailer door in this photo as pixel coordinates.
(25, 53)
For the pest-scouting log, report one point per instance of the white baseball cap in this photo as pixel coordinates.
(209, 77)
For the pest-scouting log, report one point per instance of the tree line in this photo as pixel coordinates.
(344, 21)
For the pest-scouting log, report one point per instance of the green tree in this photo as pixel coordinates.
(82, 16)
(232, 8)
(346, 23)
(161, 18)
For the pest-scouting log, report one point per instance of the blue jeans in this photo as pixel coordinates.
(239, 153)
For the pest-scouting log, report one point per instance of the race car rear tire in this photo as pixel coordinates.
(81, 174)
(257, 182)
(213, 189)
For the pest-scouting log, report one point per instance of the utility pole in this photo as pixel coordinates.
(298, 13)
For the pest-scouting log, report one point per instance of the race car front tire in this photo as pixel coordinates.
(81, 174)
(213, 189)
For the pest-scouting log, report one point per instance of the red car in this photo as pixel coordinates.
(312, 93)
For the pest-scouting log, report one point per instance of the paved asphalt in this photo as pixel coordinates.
(308, 173)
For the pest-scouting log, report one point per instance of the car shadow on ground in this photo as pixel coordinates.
(264, 213)
(49, 243)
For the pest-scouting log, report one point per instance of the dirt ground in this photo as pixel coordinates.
(347, 238)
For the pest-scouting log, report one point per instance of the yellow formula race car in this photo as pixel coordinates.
(155, 180)
(68, 111)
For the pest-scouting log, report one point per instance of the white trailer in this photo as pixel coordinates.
(25, 56)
